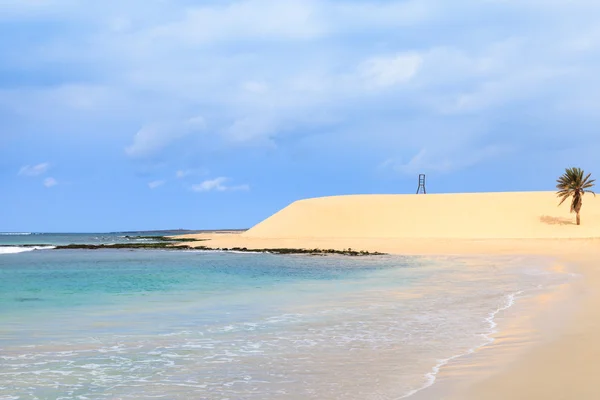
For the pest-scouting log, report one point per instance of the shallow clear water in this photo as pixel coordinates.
(161, 324)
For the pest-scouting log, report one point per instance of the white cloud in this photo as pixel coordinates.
(444, 162)
(507, 90)
(50, 182)
(251, 130)
(218, 185)
(184, 173)
(151, 139)
(259, 70)
(34, 170)
(292, 19)
(276, 20)
(390, 70)
(156, 184)
(209, 185)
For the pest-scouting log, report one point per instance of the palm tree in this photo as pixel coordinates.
(572, 183)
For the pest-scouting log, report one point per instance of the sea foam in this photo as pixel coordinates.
(22, 249)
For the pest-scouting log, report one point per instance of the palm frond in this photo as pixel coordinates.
(564, 198)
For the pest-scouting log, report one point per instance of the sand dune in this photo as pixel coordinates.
(420, 224)
(457, 216)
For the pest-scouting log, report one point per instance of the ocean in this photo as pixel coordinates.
(141, 324)
(13, 241)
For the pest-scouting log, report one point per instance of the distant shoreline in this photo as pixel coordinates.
(182, 244)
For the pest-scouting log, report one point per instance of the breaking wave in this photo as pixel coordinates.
(22, 249)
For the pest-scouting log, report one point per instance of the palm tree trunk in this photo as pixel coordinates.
(578, 219)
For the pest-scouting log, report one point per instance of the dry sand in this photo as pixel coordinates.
(564, 360)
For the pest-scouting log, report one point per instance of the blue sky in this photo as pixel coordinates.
(154, 114)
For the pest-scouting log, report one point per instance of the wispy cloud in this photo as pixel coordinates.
(382, 72)
(218, 185)
(444, 162)
(50, 182)
(184, 173)
(248, 19)
(151, 139)
(34, 170)
(290, 77)
(156, 184)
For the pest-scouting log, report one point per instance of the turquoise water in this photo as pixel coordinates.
(110, 324)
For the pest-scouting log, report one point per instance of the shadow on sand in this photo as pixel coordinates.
(546, 219)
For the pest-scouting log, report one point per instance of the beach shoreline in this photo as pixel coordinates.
(561, 362)
(560, 356)
(553, 329)
(528, 329)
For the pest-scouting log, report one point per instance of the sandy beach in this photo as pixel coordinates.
(562, 361)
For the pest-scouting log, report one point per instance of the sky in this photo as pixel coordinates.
(129, 114)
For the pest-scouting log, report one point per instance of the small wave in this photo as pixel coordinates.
(227, 251)
(431, 376)
(22, 249)
(15, 233)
